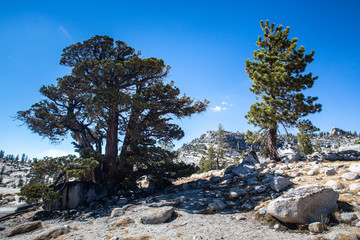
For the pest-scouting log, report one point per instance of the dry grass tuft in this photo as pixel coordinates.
(130, 208)
(142, 237)
(124, 222)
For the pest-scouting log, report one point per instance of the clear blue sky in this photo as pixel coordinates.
(205, 42)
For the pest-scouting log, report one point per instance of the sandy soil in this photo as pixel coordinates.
(184, 226)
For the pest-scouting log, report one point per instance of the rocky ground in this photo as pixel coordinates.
(228, 204)
(316, 197)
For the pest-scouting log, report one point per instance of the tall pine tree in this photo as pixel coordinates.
(279, 79)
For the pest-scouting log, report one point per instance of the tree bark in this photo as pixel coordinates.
(111, 171)
(271, 141)
(127, 149)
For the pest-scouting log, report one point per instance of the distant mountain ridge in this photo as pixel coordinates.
(193, 151)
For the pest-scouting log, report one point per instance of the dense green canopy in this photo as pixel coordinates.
(279, 79)
(112, 94)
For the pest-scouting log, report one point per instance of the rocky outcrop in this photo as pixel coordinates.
(350, 149)
(75, 194)
(337, 132)
(303, 205)
(14, 174)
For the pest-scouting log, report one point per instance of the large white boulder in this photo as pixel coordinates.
(304, 205)
(289, 154)
(75, 194)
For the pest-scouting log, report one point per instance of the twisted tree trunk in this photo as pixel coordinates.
(271, 142)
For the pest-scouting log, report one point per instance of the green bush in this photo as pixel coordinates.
(36, 192)
(304, 144)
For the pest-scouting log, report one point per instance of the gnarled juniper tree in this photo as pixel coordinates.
(279, 79)
(111, 93)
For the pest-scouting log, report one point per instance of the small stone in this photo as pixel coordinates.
(348, 217)
(312, 172)
(197, 238)
(334, 184)
(337, 235)
(262, 211)
(231, 203)
(216, 205)
(285, 167)
(247, 205)
(355, 167)
(276, 226)
(218, 195)
(316, 227)
(227, 181)
(240, 217)
(354, 186)
(330, 172)
(122, 201)
(116, 212)
(294, 174)
(252, 181)
(350, 176)
(10, 198)
(159, 215)
(279, 183)
(181, 199)
(237, 192)
(260, 189)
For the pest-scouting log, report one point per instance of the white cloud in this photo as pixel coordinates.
(66, 33)
(53, 153)
(218, 109)
(227, 104)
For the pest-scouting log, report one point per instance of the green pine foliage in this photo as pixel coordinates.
(306, 129)
(279, 79)
(34, 193)
(317, 146)
(215, 157)
(208, 162)
(304, 144)
(60, 169)
(112, 95)
(221, 148)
